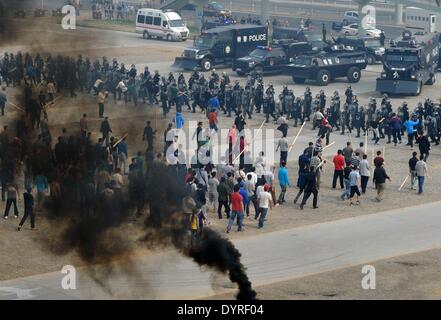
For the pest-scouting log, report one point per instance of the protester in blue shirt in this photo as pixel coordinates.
(41, 184)
(123, 155)
(214, 103)
(244, 193)
(283, 181)
(3, 101)
(179, 120)
(410, 129)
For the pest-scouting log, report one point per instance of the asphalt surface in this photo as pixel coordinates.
(269, 258)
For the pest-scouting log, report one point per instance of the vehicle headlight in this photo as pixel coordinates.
(199, 56)
(413, 76)
(383, 75)
(251, 63)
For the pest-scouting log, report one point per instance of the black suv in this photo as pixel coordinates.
(214, 9)
(372, 46)
(335, 61)
(270, 60)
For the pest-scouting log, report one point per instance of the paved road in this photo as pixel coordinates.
(269, 257)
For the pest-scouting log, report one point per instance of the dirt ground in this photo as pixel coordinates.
(413, 276)
(21, 261)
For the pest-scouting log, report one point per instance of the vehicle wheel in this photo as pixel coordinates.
(298, 80)
(258, 70)
(371, 59)
(169, 37)
(146, 35)
(206, 64)
(420, 86)
(432, 80)
(323, 77)
(354, 74)
(346, 33)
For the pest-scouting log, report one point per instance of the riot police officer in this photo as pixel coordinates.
(349, 94)
(307, 104)
(258, 95)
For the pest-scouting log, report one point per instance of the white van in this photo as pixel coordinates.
(421, 20)
(161, 24)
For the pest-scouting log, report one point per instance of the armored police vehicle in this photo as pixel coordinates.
(372, 46)
(221, 46)
(334, 61)
(272, 59)
(409, 63)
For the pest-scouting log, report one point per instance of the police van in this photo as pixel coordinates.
(219, 47)
(161, 24)
(421, 20)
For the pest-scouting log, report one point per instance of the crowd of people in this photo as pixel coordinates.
(109, 10)
(226, 188)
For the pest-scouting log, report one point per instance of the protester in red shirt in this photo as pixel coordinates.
(379, 160)
(339, 166)
(212, 120)
(237, 209)
(232, 138)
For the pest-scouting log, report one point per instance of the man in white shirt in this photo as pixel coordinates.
(283, 145)
(260, 161)
(269, 177)
(117, 181)
(265, 203)
(365, 173)
(122, 88)
(317, 119)
(253, 175)
(213, 195)
(421, 171)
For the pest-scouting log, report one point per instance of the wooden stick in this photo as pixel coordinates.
(332, 143)
(295, 139)
(366, 141)
(402, 185)
(321, 164)
(384, 151)
(245, 148)
(46, 106)
(16, 107)
(119, 141)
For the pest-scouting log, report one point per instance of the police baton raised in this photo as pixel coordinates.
(120, 140)
(295, 139)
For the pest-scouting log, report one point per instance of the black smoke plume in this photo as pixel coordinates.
(168, 221)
